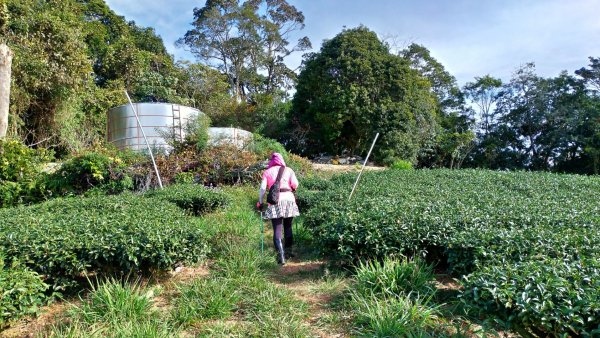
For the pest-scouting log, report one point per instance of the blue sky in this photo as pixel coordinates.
(471, 38)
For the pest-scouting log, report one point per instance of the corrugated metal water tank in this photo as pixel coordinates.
(157, 119)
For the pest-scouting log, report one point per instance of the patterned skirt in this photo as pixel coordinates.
(283, 209)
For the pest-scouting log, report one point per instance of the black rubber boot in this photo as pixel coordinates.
(280, 252)
(288, 243)
(289, 253)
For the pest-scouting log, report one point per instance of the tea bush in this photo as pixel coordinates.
(507, 233)
(193, 198)
(21, 291)
(67, 238)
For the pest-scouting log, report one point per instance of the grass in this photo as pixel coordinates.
(395, 277)
(117, 309)
(389, 316)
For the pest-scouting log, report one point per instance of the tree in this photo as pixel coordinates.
(591, 75)
(6, 56)
(589, 121)
(351, 89)
(453, 139)
(73, 58)
(246, 40)
(483, 93)
(443, 84)
(5, 70)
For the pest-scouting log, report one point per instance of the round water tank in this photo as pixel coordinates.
(157, 119)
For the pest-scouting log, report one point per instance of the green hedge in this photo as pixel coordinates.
(506, 232)
(21, 291)
(195, 199)
(66, 238)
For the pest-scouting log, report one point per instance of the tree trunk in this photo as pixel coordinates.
(5, 66)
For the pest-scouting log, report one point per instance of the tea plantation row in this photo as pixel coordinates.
(65, 240)
(526, 244)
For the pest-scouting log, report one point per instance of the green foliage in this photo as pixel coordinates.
(117, 309)
(316, 183)
(377, 316)
(203, 299)
(249, 40)
(395, 277)
(64, 239)
(19, 162)
(197, 131)
(73, 59)
(22, 291)
(353, 88)
(263, 147)
(93, 170)
(545, 296)
(184, 178)
(401, 165)
(20, 172)
(515, 238)
(193, 198)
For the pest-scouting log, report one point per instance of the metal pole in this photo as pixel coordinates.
(145, 139)
(262, 234)
(363, 167)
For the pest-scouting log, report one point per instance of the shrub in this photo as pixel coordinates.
(316, 183)
(263, 148)
(401, 165)
(197, 131)
(21, 163)
(185, 178)
(395, 277)
(21, 173)
(526, 254)
(69, 237)
(90, 171)
(227, 164)
(193, 198)
(21, 290)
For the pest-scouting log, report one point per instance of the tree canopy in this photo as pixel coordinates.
(354, 87)
(248, 41)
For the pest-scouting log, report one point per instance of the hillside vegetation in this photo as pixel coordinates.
(525, 244)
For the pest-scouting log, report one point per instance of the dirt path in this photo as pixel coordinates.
(308, 282)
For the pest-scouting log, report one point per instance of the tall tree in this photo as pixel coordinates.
(6, 56)
(483, 93)
(5, 70)
(589, 126)
(453, 139)
(246, 40)
(354, 87)
(591, 75)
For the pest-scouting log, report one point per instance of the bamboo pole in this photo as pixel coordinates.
(363, 167)
(145, 139)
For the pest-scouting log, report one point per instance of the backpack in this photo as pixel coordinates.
(273, 195)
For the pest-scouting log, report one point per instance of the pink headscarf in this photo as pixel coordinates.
(276, 160)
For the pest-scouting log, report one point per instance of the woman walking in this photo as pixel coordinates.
(281, 214)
